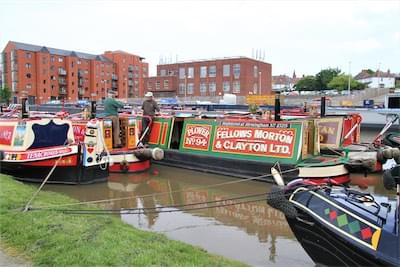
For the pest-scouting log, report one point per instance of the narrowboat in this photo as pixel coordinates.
(130, 157)
(34, 148)
(247, 146)
(341, 226)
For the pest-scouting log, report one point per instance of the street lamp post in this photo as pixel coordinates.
(126, 89)
(348, 85)
(259, 81)
(185, 89)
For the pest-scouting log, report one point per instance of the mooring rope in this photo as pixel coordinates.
(164, 193)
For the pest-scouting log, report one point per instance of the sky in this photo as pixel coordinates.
(300, 36)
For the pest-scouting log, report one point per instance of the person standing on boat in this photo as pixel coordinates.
(150, 107)
(111, 111)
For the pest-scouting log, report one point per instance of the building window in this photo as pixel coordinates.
(28, 75)
(236, 70)
(149, 86)
(166, 84)
(255, 71)
(182, 88)
(226, 70)
(203, 87)
(60, 59)
(163, 72)
(44, 81)
(78, 62)
(44, 90)
(212, 87)
(236, 87)
(212, 72)
(52, 68)
(255, 88)
(44, 61)
(157, 85)
(190, 88)
(28, 86)
(28, 55)
(182, 73)
(190, 72)
(203, 71)
(28, 65)
(226, 87)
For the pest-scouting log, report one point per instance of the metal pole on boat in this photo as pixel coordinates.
(93, 107)
(277, 107)
(24, 109)
(323, 103)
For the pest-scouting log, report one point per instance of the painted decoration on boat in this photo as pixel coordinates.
(253, 140)
(39, 153)
(337, 218)
(330, 132)
(161, 131)
(197, 137)
(20, 134)
(6, 134)
(79, 131)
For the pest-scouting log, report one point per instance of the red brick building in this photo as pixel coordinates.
(42, 73)
(238, 75)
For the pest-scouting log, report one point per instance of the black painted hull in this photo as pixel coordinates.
(232, 167)
(61, 174)
(327, 247)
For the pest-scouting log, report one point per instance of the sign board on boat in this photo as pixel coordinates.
(261, 99)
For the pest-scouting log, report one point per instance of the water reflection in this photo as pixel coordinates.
(250, 232)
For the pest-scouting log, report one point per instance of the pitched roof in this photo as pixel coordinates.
(60, 52)
(364, 74)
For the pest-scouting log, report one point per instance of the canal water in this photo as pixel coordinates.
(250, 232)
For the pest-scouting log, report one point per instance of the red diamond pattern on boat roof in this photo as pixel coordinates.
(366, 233)
(332, 215)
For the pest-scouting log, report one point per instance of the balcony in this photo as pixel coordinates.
(62, 72)
(81, 82)
(130, 68)
(114, 77)
(62, 91)
(81, 91)
(130, 75)
(62, 81)
(114, 85)
(130, 83)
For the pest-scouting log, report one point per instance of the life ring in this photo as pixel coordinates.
(124, 166)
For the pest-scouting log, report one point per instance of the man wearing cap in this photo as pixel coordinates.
(149, 111)
(111, 111)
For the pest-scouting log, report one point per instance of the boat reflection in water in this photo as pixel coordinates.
(252, 232)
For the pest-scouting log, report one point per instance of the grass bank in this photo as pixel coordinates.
(55, 239)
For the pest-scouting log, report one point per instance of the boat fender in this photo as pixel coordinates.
(276, 199)
(391, 178)
(124, 165)
(157, 153)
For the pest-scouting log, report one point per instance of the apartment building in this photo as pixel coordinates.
(212, 77)
(41, 73)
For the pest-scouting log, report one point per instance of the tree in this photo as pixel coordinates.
(325, 76)
(308, 83)
(5, 94)
(341, 83)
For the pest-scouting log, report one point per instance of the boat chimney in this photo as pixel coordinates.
(323, 102)
(277, 107)
(93, 107)
(24, 110)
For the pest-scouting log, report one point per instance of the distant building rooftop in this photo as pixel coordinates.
(60, 52)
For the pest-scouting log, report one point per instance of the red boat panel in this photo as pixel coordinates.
(138, 166)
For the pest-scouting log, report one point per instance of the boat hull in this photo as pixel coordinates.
(240, 168)
(327, 248)
(37, 171)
